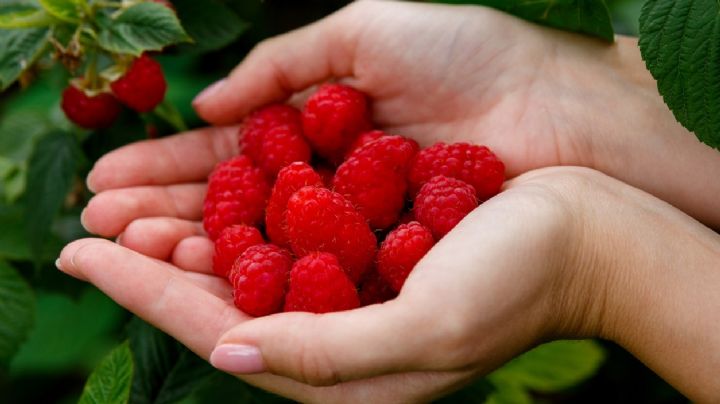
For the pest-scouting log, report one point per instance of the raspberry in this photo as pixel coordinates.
(319, 285)
(327, 174)
(260, 279)
(373, 179)
(374, 289)
(237, 192)
(321, 220)
(90, 112)
(281, 146)
(232, 242)
(442, 202)
(476, 165)
(364, 139)
(260, 121)
(333, 117)
(401, 250)
(289, 180)
(143, 86)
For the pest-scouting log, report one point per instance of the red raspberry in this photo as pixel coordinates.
(333, 117)
(442, 202)
(236, 194)
(364, 139)
(260, 121)
(90, 112)
(289, 180)
(143, 86)
(260, 279)
(321, 220)
(401, 250)
(476, 165)
(327, 174)
(374, 289)
(373, 178)
(319, 285)
(232, 242)
(281, 146)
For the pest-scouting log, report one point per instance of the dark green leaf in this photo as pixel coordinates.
(50, 176)
(170, 114)
(680, 42)
(585, 16)
(221, 387)
(23, 16)
(166, 371)
(139, 28)
(110, 382)
(20, 49)
(66, 10)
(551, 367)
(211, 24)
(17, 311)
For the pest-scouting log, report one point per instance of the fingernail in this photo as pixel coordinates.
(57, 264)
(209, 91)
(82, 219)
(242, 359)
(118, 239)
(89, 183)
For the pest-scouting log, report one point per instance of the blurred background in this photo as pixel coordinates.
(74, 324)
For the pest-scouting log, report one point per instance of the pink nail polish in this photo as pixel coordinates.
(209, 91)
(243, 359)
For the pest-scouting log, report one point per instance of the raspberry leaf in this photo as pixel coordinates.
(139, 28)
(23, 16)
(680, 43)
(17, 311)
(211, 24)
(110, 382)
(66, 10)
(20, 49)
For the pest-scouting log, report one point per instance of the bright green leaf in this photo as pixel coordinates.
(680, 42)
(551, 367)
(17, 311)
(110, 382)
(23, 16)
(211, 24)
(139, 28)
(590, 17)
(20, 48)
(509, 393)
(66, 10)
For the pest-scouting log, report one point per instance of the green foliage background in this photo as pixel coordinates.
(57, 333)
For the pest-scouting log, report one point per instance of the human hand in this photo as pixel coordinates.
(563, 252)
(538, 97)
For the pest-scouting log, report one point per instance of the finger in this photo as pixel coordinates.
(187, 157)
(151, 290)
(194, 254)
(157, 237)
(110, 212)
(280, 66)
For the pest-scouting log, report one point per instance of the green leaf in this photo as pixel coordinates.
(166, 371)
(590, 17)
(110, 382)
(20, 49)
(69, 334)
(50, 176)
(220, 386)
(551, 367)
(509, 393)
(23, 16)
(66, 10)
(17, 311)
(139, 28)
(680, 42)
(170, 114)
(211, 24)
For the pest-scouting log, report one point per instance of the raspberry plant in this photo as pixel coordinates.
(54, 331)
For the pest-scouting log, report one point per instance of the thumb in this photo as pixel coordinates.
(278, 67)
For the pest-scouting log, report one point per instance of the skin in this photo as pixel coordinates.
(563, 252)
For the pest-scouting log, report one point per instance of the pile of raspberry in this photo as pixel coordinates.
(319, 213)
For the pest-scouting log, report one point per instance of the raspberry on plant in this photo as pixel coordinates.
(143, 85)
(260, 279)
(281, 146)
(442, 202)
(373, 178)
(333, 118)
(322, 220)
(289, 180)
(374, 289)
(260, 121)
(401, 250)
(476, 165)
(237, 193)
(89, 111)
(231, 243)
(319, 285)
(364, 139)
